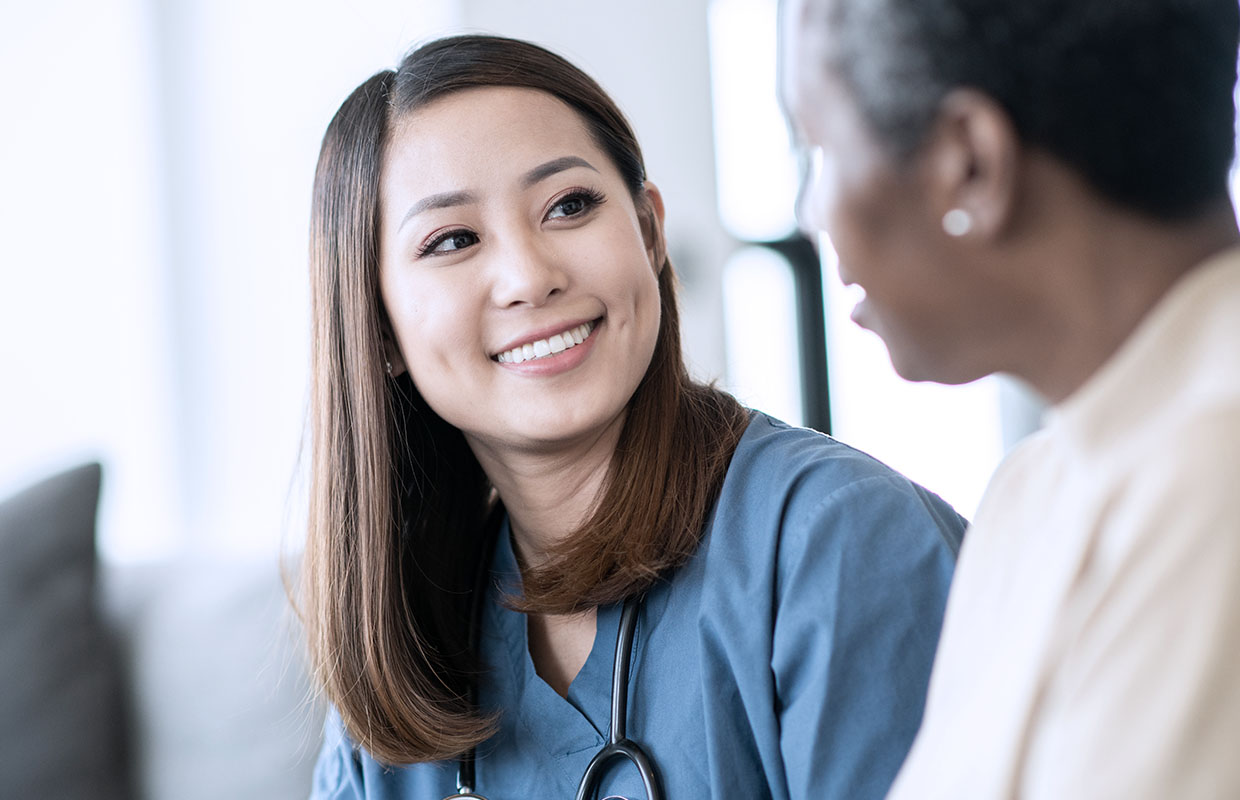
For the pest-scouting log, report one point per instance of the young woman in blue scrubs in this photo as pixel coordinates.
(507, 447)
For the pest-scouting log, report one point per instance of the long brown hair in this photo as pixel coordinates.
(398, 503)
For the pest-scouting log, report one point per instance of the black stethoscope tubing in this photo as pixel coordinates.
(618, 746)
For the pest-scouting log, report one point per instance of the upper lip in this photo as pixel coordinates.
(545, 332)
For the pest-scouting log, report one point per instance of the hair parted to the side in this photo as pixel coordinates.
(1135, 95)
(399, 505)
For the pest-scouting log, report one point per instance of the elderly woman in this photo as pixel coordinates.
(1040, 188)
(541, 559)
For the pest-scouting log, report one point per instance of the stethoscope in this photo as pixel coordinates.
(618, 745)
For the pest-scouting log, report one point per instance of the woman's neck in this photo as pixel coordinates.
(548, 492)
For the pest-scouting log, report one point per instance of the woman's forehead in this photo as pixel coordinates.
(493, 131)
(504, 115)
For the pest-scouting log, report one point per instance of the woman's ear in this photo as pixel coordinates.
(650, 215)
(394, 362)
(974, 165)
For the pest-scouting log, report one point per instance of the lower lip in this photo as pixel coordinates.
(559, 363)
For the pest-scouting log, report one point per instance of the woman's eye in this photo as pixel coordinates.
(447, 243)
(574, 205)
(569, 207)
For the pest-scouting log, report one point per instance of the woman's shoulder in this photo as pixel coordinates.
(800, 461)
(804, 485)
(337, 772)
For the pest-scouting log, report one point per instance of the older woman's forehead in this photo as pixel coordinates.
(803, 57)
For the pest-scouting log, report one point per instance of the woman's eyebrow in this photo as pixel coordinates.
(449, 199)
(444, 200)
(544, 171)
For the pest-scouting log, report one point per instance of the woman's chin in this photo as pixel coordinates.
(548, 430)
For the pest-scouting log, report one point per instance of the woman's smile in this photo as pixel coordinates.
(553, 355)
(533, 347)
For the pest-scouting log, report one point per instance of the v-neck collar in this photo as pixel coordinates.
(539, 727)
(563, 725)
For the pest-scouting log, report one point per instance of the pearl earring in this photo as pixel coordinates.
(387, 365)
(957, 222)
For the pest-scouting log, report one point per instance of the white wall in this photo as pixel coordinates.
(84, 340)
(157, 161)
(245, 92)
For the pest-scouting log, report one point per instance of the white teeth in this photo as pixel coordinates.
(547, 347)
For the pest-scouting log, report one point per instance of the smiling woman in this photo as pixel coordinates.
(524, 512)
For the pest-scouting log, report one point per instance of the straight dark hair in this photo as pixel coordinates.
(399, 505)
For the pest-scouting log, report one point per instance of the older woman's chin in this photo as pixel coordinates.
(919, 358)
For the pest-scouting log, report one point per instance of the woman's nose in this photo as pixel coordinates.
(526, 274)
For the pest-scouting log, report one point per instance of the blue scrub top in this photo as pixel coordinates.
(789, 658)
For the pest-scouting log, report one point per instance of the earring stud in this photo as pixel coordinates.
(957, 222)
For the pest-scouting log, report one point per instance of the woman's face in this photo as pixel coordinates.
(522, 291)
(882, 217)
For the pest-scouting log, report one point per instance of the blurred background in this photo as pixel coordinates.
(157, 158)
